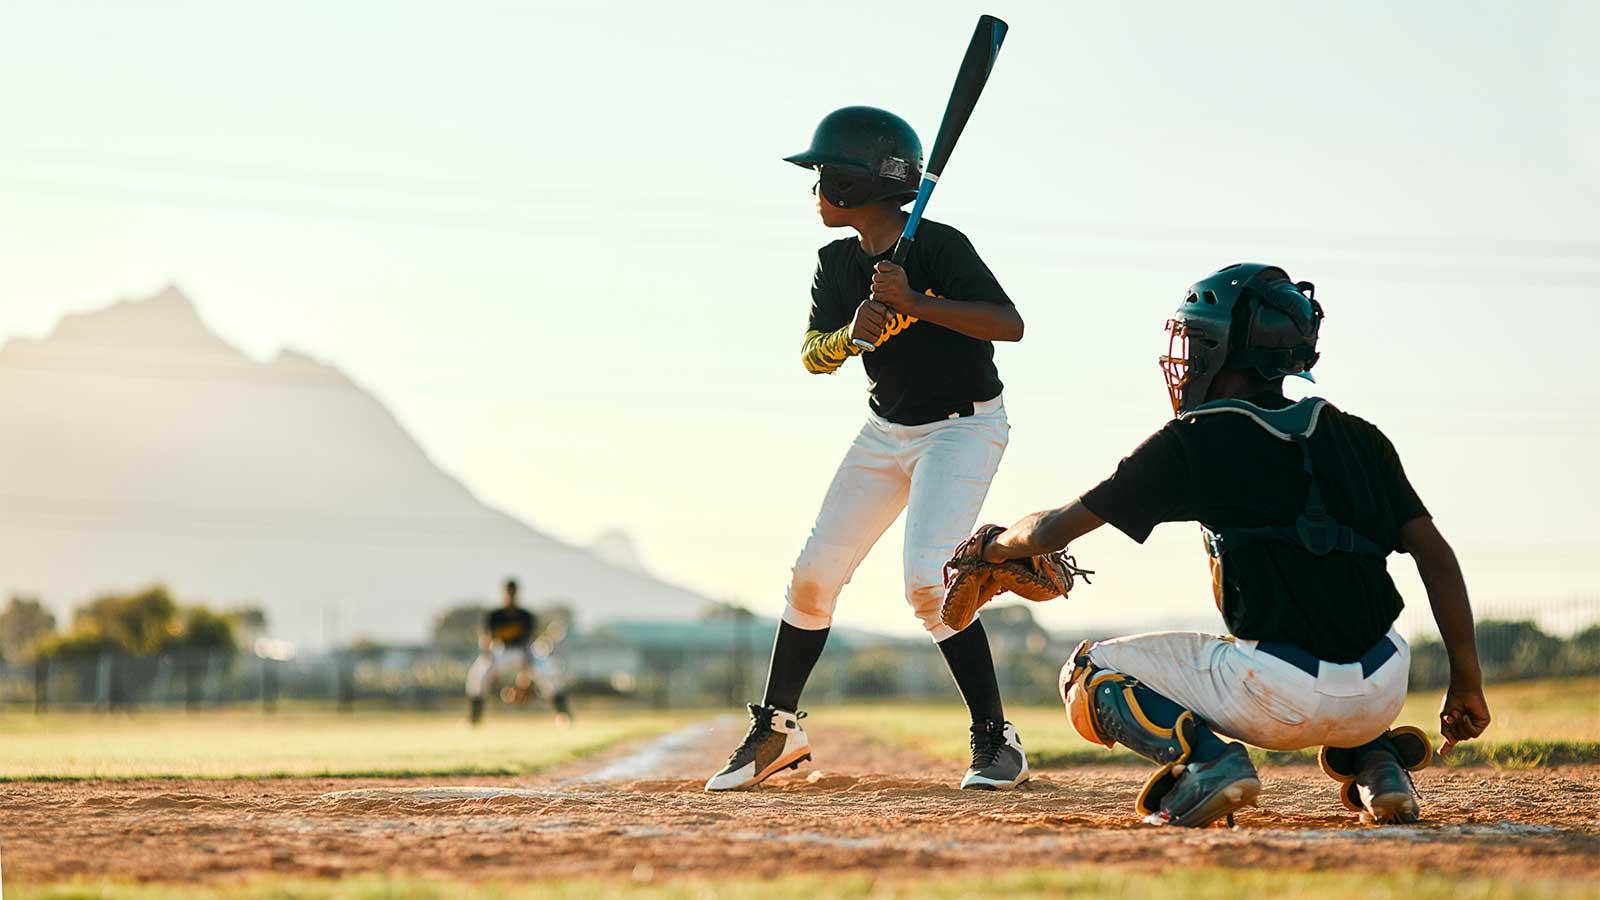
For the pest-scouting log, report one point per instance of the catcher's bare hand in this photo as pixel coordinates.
(872, 318)
(1463, 716)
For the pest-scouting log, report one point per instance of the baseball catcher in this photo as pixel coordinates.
(1300, 505)
(934, 433)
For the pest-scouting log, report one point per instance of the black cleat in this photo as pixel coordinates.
(998, 763)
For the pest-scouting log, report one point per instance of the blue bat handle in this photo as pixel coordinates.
(908, 235)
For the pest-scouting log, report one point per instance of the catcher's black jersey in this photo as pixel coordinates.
(510, 625)
(922, 372)
(1228, 472)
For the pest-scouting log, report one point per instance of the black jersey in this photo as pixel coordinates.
(1228, 472)
(922, 372)
(510, 625)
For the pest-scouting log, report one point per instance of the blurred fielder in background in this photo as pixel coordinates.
(508, 646)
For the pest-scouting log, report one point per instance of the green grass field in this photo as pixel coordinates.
(250, 743)
(1535, 722)
(1081, 882)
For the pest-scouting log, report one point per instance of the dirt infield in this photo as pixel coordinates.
(862, 807)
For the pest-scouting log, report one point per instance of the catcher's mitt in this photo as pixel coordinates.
(970, 581)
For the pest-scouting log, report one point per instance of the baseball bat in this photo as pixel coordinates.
(970, 79)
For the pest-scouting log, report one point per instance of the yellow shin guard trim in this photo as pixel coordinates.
(1402, 734)
(1080, 706)
(1409, 739)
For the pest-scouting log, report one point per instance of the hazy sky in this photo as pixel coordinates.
(558, 240)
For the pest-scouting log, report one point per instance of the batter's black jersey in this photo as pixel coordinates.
(510, 626)
(1226, 471)
(923, 372)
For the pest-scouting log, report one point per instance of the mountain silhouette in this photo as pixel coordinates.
(136, 445)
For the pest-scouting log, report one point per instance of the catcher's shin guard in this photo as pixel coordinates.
(1375, 778)
(1103, 707)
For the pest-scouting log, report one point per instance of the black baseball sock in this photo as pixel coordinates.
(794, 653)
(967, 655)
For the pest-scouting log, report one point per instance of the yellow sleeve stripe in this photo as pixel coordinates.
(825, 351)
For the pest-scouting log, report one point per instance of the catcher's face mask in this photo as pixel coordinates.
(1175, 362)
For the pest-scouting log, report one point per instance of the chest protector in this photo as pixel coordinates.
(1313, 530)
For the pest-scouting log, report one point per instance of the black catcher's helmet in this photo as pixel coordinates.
(1248, 315)
(862, 154)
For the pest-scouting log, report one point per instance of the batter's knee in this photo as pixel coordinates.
(926, 601)
(925, 588)
(819, 574)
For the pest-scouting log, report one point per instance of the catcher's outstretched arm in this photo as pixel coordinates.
(1043, 532)
(1465, 712)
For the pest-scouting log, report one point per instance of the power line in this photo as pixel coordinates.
(453, 187)
(719, 239)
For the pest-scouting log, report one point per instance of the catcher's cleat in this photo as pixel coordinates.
(1203, 792)
(475, 710)
(1375, 778)
(998, 763)
(775, 742)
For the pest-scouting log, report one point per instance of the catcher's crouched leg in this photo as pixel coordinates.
(1109, 708)
(1375, 778)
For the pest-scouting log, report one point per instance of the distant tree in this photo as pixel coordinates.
(1013, 629)
(140, 623)
(1516, 649)
(366, 649)
(249, 622)
(203, 629)
(723, 610)
(874, 672)
(456, 629)
(144, 623)
(1430, 667)
(22, 624)
(1583, 652)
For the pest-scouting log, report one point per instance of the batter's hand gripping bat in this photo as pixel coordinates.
(970, 79)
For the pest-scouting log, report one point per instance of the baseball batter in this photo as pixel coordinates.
(935, 431)
(1300, 504)
(507, 648)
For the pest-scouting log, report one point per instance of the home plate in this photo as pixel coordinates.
(437, 793)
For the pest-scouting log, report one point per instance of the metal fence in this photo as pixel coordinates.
(714, 665)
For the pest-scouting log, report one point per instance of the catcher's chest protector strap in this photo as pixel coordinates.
(1315, 530)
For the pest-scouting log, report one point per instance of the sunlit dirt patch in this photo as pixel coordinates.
(861, 807)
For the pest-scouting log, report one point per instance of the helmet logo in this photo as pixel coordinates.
(894, 167)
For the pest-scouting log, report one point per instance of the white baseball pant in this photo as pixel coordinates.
(1258, 698)
(516, 661)
(938, 473)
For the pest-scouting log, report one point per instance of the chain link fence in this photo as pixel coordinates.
(718, 663)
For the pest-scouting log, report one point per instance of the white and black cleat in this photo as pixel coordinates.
(998, 763)
(775, 742)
